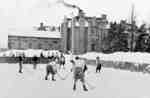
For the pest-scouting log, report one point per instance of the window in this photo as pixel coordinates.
(30, 45)
(9, 45)
(50, 46)
(55, 42)
(46, 41)
(93, 46)
(39, 46)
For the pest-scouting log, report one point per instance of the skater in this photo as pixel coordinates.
(20, 58)
(51, 69)
(98, 65)
(62, 61)
(85, 68)
(78, 66)
(35, 61)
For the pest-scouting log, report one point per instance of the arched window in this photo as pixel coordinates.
(9, 45)
(39, 46)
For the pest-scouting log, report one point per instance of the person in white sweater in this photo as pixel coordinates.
(78, 72)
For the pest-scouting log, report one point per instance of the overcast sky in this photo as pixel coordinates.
(29, 13)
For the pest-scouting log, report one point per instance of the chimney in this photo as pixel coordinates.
(104, 16)
(81, 13)
(41, 25)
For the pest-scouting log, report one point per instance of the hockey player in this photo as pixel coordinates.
(20, 58)
(35, 61)
(62, 61)
(51, 68)
(98, 64)
(78, 72)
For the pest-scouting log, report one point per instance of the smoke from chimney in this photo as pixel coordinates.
(68, 5)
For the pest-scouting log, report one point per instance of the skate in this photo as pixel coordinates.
(74, 87)
(20, 71)
(46, 78)
(84, 88)
(53, 79)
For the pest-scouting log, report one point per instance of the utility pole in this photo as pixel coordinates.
(72, 31)
(132, 28)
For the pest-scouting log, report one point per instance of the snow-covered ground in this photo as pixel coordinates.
(110, 83)
(133, 57)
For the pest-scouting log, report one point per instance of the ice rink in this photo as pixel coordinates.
(110, 83)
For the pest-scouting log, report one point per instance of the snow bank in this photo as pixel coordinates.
(32, 52)
(29, 53)
(136, 57)
(10, 53)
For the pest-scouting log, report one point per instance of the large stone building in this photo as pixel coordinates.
(81, 34)
(34, 40)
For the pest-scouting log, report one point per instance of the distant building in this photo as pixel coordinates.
(34, 40)
(88, 33)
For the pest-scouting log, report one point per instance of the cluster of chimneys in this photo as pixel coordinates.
(42, 27)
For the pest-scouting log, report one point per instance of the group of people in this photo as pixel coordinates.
(79, 67)
(34, 60)
(21, 59)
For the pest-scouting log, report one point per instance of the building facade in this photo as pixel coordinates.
(82, 34)
(34, 40)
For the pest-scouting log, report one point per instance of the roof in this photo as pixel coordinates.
(41, 34)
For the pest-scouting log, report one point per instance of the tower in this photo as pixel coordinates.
(79, 33)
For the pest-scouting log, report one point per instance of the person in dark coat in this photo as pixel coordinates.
(85, 68)
(35, 61)
(51, 68)
(20, 58)
(98, 65)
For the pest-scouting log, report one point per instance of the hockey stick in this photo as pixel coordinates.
(89, 85)
(62, 78)
(67, 76)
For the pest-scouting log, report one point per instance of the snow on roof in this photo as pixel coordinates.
(43, 34)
